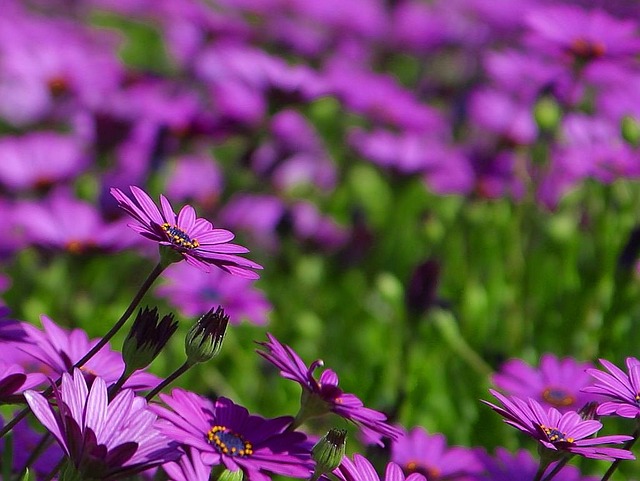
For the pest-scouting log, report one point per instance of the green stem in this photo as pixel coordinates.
(114, 388)
(542, 467)
(561, 464)
(55, 470)
(123, 319)
(172, 377)
(44, 442)
(628, 445)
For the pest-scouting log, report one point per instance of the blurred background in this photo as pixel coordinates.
(432, 187)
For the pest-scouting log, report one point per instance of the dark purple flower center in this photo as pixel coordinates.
(554, 435)
(179, 237)
(229, 443)
(558, 397)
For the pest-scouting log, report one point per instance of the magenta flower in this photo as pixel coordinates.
(360, 469)
(188, 468)
(14, 380)
(565, 433)
(504, 466)
(194, 292)
(418, 451)
(195, 239)
(103, 440)
(556, 382)
(372, 423)
(56, 350)
(623, 388)
(224, 433)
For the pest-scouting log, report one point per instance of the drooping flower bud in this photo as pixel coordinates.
(329, 451)
(147, 338)
(204, 339)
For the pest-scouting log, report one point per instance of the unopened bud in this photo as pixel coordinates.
(204, 340)
(630, 129)
(588, 412)
(547, 113)
(329, 451)
(147, 338)
(228, 475)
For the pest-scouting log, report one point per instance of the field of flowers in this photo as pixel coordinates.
(348, 240)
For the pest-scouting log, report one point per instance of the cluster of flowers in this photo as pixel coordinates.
(105, 430)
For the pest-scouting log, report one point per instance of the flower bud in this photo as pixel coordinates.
(630, 129)
(147, 338)
(547, 113)
(204, 339)
(228, 475)
(329, 451)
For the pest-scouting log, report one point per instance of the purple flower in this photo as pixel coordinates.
(360, 469)
(199, 243)
(224, 433)
(55, 350)
(194, 292)
(564, 433)
(39, 159)
(372, 423)
(104, 440)
(504, 466)
(188, 468)
(14, 380)
(623, 388)
(557, 382)
(420, 452)
(63, 222)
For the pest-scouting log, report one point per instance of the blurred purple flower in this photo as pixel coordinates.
(63, 222)
(195, 239)
(195, 178)
(224, 433)
(563, 433)
(417, 451)
(194, 292)
(504, 466)
(55, 350)
(556, 383)
(360, 469)
(103, 439)
(39, 159)
(325, 389)
(14, 380)
(623, 388)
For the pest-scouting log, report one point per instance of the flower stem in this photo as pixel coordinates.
(114, 388)
(172, 377)
(123, 319)
(628, 445)
(542, 467)
(37, 451)
(561, 464)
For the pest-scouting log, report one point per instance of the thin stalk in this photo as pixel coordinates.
(165, 382)
(123, 319)
(54, 471)
(542, 467)
(561, 464)
(114, 388)
(38, 450)
(628, 445)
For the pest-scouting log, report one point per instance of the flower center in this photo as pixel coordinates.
(554, 435)
(558, 397)
(586, 49)
(179, 237)
(430, 472)
(229, 443)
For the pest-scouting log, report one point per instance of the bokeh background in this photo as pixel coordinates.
(432, 187)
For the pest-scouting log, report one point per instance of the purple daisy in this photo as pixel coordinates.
(418, 451)
(623, 388)
(195, 239)
(103, 440)
(372, 423)
(14, 380)
(564, 433)
(556, 382)
(360, 469)
(504, 466)
(188, 468)
(224, 433)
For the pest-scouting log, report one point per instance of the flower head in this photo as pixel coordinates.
(204, 339)
(360, 469)
(147, 338)
(420, 452)
(226, 434)
(623, 388)
(194, 239)
(103, 440)
(555, 383)
(563, 433)
(372, 423)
